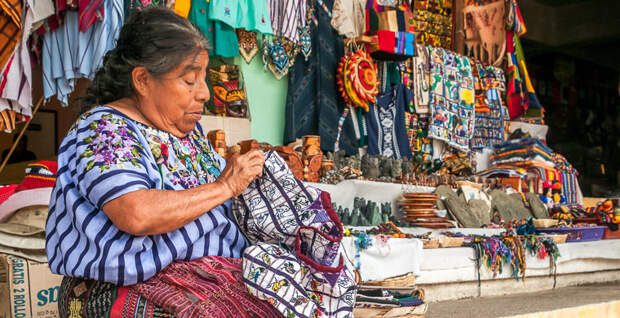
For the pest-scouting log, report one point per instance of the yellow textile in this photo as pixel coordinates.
(181, 7)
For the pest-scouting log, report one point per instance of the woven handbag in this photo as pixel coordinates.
(294, 262)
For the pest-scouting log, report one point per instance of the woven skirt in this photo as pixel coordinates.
(211, 286)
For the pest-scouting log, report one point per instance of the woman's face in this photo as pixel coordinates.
(174, 101)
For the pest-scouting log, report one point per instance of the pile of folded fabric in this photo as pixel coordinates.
(23, 212)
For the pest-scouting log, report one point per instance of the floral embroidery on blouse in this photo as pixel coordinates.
(189, 161)
(112, 144)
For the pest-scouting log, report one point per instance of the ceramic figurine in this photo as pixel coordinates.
(386, 167)
(397, 168)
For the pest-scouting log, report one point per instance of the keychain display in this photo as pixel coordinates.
(278, 55)
(248, 44)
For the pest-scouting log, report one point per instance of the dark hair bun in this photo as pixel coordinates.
(155, 38)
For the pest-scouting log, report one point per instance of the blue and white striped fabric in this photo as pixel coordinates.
(69, 54)
(106, 155)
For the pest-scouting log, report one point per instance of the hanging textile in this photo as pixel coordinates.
(393, 28)
(294, 261)
(90, 11)
(313, 105)
(522, 99)
(16, 77)
(385, 121)
(490, 111)
(485, 32)
(452, 98)
(421, 79)
(221, 36)
(11, 21)
(251, 15)
(349, 18)
(287, 17)
(433, 22)
(69, 54)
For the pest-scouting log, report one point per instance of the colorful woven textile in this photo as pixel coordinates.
(211, 286)
(452, 98)
(490, 111)
(279, 210)
(82, 297)
(522, 99)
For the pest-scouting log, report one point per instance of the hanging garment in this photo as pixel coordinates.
(294, 261)
(251, 15)
(90, 11)
(387, 134)
(490, 111)
(421, 79)
(221, 36)
(349, 17)
(69, 54)
(287, 16)
(11, 21)
(313, 105)
(522, 99)
(16, 77)
(181, 7)
(452, 98)
(485, 32)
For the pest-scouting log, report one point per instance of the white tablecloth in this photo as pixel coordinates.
(443, 265)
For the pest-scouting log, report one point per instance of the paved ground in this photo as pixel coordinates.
(487, 307)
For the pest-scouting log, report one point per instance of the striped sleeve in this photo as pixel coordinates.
(111, 161)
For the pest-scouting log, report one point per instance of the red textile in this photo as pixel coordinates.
(90, 11)
(211, 286)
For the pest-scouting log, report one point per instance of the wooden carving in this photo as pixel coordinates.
(248, 145)
(293, 160)
(217, 138)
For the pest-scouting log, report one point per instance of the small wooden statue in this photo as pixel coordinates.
(293, 160)
(312, 157)
(217, 138)
(248, 145)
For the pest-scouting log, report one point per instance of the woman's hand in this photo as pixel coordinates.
(241, 170)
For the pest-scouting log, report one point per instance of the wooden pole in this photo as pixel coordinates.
(21, 134)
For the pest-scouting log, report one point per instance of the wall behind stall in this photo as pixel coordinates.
(267, 99)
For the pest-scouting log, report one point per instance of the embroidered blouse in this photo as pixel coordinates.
(106, 155)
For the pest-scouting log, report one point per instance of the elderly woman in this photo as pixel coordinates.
(139, 186)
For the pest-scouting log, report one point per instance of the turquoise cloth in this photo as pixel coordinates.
(252, 15)
(222, 37)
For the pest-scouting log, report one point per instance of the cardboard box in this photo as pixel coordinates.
(27, 289)
(236, 129)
